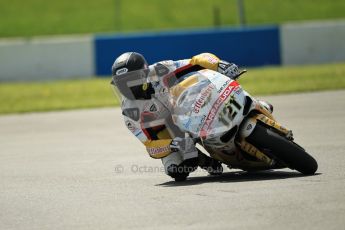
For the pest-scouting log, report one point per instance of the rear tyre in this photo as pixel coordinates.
(288, 152)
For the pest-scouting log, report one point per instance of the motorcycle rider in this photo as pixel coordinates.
(147, 116)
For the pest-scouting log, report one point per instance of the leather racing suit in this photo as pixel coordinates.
(151, 121)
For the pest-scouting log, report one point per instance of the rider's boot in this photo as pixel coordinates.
(181, 172)
(212, 166)
(267, 105)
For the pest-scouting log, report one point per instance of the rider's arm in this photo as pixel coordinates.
(211, 61)
(206, 60)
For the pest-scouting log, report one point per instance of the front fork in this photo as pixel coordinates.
(264, 116)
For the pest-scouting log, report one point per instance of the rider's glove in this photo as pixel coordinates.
(229, 69)
(185, 146)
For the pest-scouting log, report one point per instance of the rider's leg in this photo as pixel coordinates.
(178, 168)
(212, 166)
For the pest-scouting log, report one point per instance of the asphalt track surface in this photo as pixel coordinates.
(83, 170)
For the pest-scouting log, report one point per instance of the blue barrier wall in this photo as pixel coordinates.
(250, 46)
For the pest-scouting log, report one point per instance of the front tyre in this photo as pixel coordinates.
(288, 152)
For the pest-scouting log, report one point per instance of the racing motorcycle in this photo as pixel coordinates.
(231, 125)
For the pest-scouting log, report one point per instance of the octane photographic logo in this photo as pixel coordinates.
(143, 169)
(119, 169)
(147, 169)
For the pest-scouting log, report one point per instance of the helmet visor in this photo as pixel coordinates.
(131, 84)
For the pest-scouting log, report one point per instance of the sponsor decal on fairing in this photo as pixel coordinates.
(204, 95)
(213, 112)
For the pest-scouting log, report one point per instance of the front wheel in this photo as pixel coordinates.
(281, 148)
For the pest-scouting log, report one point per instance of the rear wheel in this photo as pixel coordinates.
(281, 148)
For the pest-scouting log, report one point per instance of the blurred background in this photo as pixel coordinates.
(57, 54)
(39, 17)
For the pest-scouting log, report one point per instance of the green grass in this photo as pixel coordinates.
(42, 17)
(275, 80)
(57, 95)
(72, 94)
